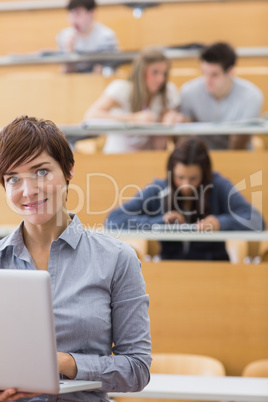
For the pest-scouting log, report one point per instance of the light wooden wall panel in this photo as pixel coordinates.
(209, 308)
(241, 23)
(58, 97)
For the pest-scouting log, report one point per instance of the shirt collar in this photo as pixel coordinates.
(71, 235)
(73, 232)
(14, 240)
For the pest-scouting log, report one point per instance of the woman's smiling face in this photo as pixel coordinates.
(37, 189)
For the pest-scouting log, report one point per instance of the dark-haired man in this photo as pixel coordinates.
(219, 96)
(85, 35)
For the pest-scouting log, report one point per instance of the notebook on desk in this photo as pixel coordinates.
(28, 354)
(112, 124)
(105, 124)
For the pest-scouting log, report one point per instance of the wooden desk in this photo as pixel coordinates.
(210, 308)
(6, 230)
(96, 127)
(58, 58)
(168, 386)
(123, 57)
(220, 236)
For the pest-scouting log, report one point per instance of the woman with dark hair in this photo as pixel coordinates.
(190, 169)
(191, 193)
(110, 340)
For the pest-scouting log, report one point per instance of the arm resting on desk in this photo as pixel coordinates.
(141, 212)
(231, 209)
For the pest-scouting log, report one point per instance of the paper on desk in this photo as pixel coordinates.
(210, 125)
(106, 123)
(122, 125)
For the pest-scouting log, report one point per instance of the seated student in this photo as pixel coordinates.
(85, 35)
(105, 334)
(191, 193)
(219, 96)
(146, 97)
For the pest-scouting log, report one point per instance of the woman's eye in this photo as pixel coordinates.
(13, 180)
(42, 172)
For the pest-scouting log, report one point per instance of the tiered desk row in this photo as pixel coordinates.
(101, 182)
(24, 78)
(65, 98)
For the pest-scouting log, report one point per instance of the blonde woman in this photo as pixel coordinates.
(146, 96)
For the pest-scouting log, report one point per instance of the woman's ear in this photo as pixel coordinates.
(71, 173)
(231, 71)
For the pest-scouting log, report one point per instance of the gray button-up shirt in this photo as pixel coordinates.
(100, 307)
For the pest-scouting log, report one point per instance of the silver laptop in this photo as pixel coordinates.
(28, 354)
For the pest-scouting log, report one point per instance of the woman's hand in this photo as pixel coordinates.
(144, 116)
(7, 395)
(69, 44)
(173, 217)
(12, 395)
(67, 365)
(210, 223)
(172, 117)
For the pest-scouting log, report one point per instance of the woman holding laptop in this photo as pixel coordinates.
(12, 395)
(99, 299)
(190, 194)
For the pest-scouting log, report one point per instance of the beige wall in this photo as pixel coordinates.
(216, 309)
(241, 23)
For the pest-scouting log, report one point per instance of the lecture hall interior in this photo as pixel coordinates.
(216, 309)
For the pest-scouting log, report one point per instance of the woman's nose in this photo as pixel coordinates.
(30, 187)
(161, 78)
(186, 182)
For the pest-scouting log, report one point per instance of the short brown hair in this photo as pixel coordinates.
(25, 138)
(87, 4)
(219, 53)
